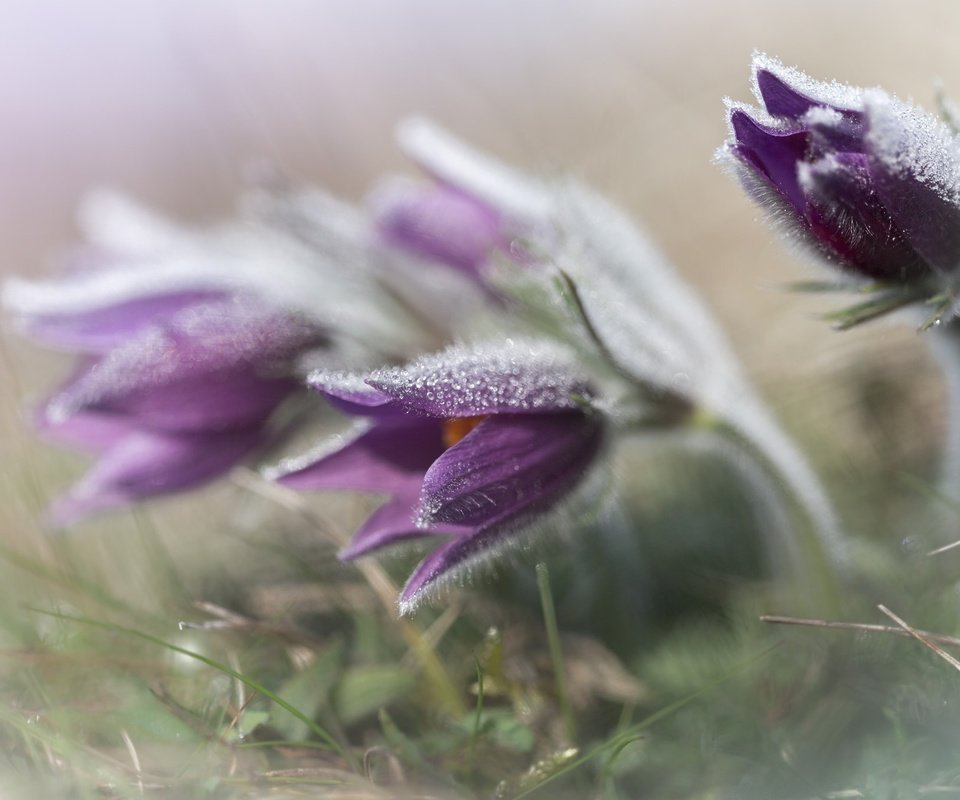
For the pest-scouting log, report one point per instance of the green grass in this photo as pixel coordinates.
(214, 648)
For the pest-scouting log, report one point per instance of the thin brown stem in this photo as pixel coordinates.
(950, 641)
(923, 637)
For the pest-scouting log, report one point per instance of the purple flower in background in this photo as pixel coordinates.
(181, 361)
(872, 183)
(177, 401)
(439, 223)
(472, 210)
(471, 444)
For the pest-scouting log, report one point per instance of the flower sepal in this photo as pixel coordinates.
(885, 299)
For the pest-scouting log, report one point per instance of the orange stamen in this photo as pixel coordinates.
(455, 429)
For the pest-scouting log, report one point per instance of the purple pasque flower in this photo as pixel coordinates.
(471, 211)
(182, 361)
(186, 396)
(470, 444)
(189, 341)
(871, 183)
(438, 223)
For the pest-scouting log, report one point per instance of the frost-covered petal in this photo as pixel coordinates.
(833, 131)
(393, 522)
(509, 466)
(845, 213)
(437, 223)
(116, 223)
(99, 330)
(215, 366)
(214, 401)
(384, 458)
(650, 321)
(242, 258)
(914, 161)
(298, 266)
(351, 393)
(773, 152)
(452, 162)
(148, 463)
(788, 92)
(516, 376)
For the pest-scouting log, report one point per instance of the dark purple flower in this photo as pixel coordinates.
(470, 444)
(871, 183)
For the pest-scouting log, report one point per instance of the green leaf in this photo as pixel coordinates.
(501, 726)
(309, 690)
(248, 722)
(883, 303)
(364, 690)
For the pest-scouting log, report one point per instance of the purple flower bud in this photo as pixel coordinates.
(871, 183)
(473, 209)
(438, 223)
(183, 361)
(184, 398)
(470, 444)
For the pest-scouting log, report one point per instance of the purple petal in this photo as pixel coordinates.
(781, 99)
(914, 163)
(101, 329)
(846, 215)
(832, 131)
(788, 93)
(523, 201)
(351, 394)
(143, 464)
(386, 458)
(438, 223)
(215, 366)
(214, 401)
(773, 152)
(507, 467)
(511, 377)
(86, 431)
(391, 523)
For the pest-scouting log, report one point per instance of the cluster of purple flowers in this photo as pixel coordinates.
(487, 333)
(198, 352)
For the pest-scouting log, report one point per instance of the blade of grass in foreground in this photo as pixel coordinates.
(556, 654)
(617, 743)
(250, 683)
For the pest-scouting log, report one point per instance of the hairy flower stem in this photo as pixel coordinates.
(814, 540)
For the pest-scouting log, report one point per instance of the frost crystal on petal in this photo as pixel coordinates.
(831, 93)
(489, 378)
(457, 164)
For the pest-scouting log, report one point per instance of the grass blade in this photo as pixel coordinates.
(250, 683)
